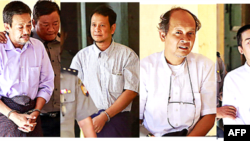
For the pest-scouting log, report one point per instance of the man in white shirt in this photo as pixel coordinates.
(236, 84)
(178, 88)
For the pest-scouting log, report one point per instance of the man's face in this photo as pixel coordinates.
(19, 32)
(47, 26)
(245, 49)
(101, 31)
(180, 38)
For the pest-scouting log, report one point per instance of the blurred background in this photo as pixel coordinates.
(230, 18)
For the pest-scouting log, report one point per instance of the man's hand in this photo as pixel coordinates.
(22, 121)
(33, 114)
(99, 121)
(226, 112)
(3, 39)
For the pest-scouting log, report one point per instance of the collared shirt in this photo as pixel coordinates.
(53, 50)
(75, 105)
(155, 74)
(25, 71)
(236, 93)
(106, 74)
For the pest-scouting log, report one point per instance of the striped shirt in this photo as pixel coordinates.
(106, 74)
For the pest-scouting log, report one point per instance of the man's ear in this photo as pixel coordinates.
(7, 27)
(33, 23)
(162, 36)
(240, 48)
(113, 27)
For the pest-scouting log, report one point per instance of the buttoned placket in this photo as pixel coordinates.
(21, 68)
(175, 96)
(102, 61)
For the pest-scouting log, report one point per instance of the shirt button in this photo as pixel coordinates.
(176, 124)
(176, 110)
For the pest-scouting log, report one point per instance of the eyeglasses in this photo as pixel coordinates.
(189, 105)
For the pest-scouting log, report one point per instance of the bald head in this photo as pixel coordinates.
(183, 14)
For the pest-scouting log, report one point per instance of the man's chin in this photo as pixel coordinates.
(182, 55)
(99, 41)
(23, 42)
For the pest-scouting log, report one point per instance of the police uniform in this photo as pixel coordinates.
(50, 114)
(75, 102)
(220, 73)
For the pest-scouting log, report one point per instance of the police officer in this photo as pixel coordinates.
(75, 103)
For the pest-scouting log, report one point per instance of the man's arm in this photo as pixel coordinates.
(203, 126)
(46, 80)
(131, 86)
(229, 98)
(121, 103)
(21, 120)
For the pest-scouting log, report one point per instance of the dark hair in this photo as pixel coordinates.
(165, 19)
(240, 31)
(14, 8)
(44, 8)
(106, 11)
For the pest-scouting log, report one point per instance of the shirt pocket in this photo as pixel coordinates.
(116, 82)
(34, 76)
(67, 98)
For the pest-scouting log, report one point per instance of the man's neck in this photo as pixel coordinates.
(174, 60)
(16, 45)
(248, 63)
(103, 45)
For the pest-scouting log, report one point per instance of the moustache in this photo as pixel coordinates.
(25, 35)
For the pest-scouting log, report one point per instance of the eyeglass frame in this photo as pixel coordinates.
(169, 96)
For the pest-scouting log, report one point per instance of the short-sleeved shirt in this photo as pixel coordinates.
(25, 71)
(106, 74)
(53, 51)
(74, 104)
(236, 93)
(158, 82)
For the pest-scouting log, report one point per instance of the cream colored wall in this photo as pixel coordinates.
(220, 30)
(30, 3)
(206, 38)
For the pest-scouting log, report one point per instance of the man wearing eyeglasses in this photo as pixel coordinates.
(236, 84)
(178, 89)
